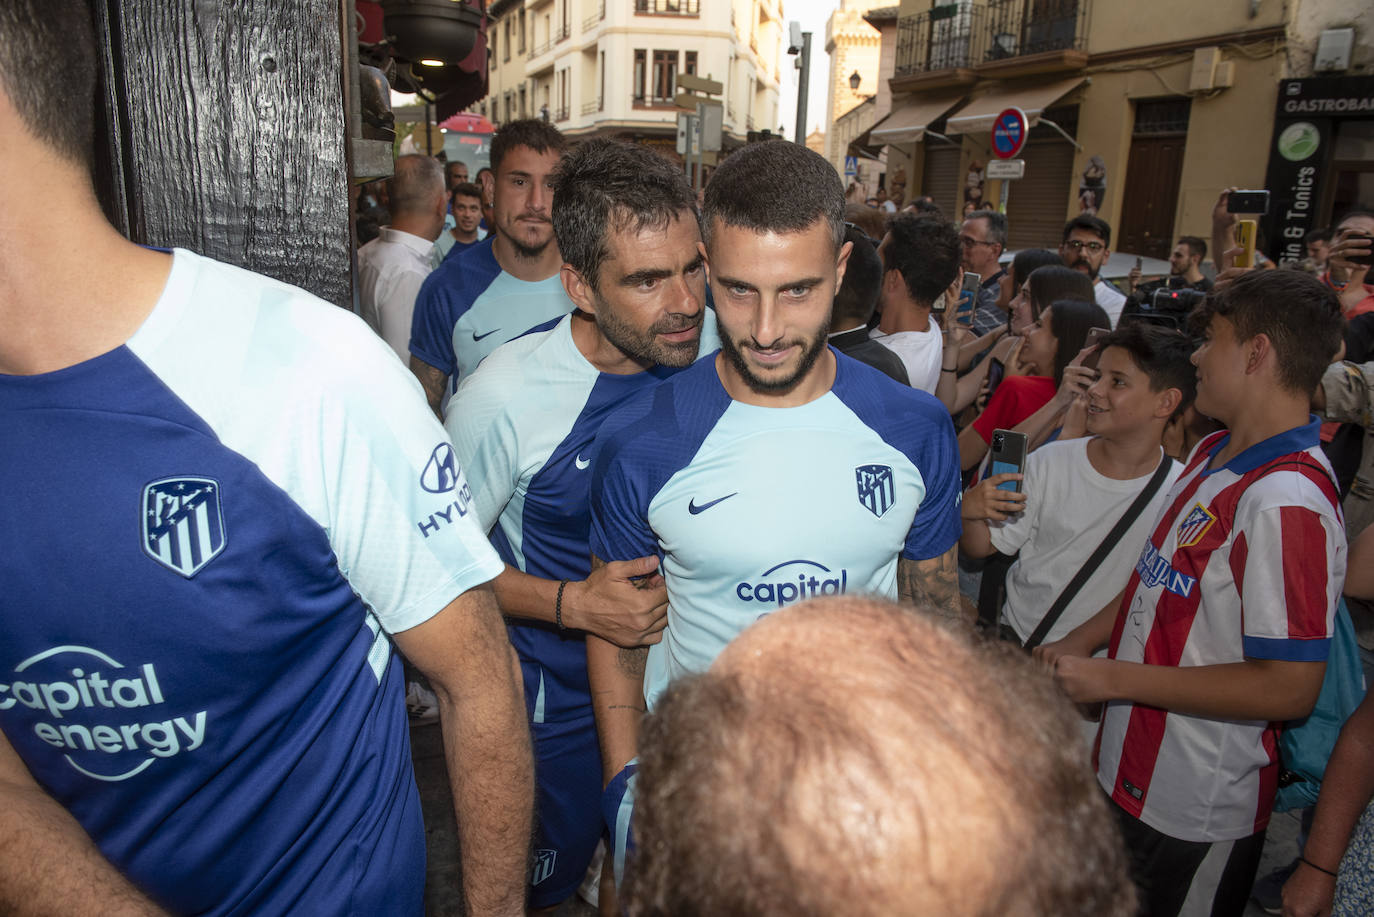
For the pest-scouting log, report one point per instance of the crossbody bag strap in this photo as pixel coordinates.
(1088, 569)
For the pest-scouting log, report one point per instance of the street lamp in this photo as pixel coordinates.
(799, 43)
(854, 80)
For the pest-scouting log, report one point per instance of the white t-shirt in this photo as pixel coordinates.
(1110, 299)
(920, 351)
(1070, 509)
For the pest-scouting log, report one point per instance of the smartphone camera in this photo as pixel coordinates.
(999, 440)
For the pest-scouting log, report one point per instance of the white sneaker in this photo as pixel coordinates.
(421, 704)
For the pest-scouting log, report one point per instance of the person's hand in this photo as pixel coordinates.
(1084, 679)
(1222, 219)
(985, 501)
(624, 602)
(1076, 382)
(1345, 245)
(1075, 420)
(1048, 654)
(1133, 279)
(1308, 893)
(1002, 350)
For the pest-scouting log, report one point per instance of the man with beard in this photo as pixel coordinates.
(502, 287)
(1086, 247)
(777, 471)
(523, 425)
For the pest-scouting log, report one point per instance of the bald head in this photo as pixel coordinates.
(854, 756)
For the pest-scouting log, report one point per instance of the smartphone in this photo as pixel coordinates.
(1248, 202)
(1245, 238)
(1366, 259)
(997, 371)
(1008, 454)
(1095, 336)
(968, 296)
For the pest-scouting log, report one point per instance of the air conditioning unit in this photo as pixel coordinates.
(1204, 73)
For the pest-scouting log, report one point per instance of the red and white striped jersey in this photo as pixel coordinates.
(1246, 561)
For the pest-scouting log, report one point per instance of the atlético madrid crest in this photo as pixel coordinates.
(876, 489)
(1194, 526)
(183, 525)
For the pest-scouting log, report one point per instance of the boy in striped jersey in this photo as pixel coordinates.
(1222, 632)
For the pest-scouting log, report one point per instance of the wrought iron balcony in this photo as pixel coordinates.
(590, 22)
(1016, 28)
(591, 108)
(541, 49)
(564, 31)
(962, 36)
(668, 7)
(941, 38)
(561, 114)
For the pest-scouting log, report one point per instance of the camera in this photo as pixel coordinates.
(998, 440)
(1169, 308)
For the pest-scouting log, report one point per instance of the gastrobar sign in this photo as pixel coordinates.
(1300, 153)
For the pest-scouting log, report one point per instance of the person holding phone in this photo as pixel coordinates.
(920, 272)
(1349, 261)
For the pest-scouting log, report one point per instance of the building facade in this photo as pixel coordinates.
(610, 67)
(854, 48)
(1142, 126)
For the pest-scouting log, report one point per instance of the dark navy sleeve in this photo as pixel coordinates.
(431, 326)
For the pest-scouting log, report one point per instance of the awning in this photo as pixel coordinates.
(862, 147)
(977, 116)
(908, 123)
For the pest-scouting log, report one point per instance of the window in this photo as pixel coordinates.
(640, 66)
(689, 65)
(506, 40)
(1163, 116)
(491, 50)
(665, 75)
(601, 76)
(520, 26)
(523, 111)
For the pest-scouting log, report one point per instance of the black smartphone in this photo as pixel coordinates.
(1008, 454)
(1248, 202)
(1367, 259)
(1095, 336)
(997, 371)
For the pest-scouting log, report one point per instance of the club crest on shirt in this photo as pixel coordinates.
(441, 471)
(544, 860)
(183, 523)
(877, 492)
(1194, 526)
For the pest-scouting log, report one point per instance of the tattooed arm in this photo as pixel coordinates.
(433, 380)
(932, 583)
(616, 677)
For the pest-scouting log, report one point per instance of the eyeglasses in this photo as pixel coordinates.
(969, 242)
(1078, 245)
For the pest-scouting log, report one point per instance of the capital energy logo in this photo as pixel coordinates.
(791, 581)
(109, 720)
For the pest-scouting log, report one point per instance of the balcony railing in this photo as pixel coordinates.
(1019, 27)
(590, 22)
(960, 35)
(561, 114)
(650, 101)
(541, 48)
(564, 31)
(591, 108)
(668, 7)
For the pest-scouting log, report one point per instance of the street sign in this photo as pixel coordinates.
(1009, 132)
(1006, 168)
(851, 165)
(705, 130)
(699, 84)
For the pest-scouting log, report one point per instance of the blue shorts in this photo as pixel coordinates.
(567, 776)
(617, 807)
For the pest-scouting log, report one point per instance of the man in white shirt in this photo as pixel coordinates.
(392, 266)
(920, 262)
(1086, 247)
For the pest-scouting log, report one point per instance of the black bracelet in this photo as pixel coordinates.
(1303, 859)
(558, 605)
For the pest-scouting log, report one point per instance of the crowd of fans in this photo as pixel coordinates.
(692, 518)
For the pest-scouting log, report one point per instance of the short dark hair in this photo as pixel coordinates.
(535, 133)
(1070, 321)
(1162, 354)
(997, 226)
(776, 187)
(1027, 260)
(1196, 245)
(925, 252)
(466, 189)
(925, 205)
(48, 63)
(606, 186)
(863, 275)
(753, 775)
(1299, 314)
(1055, 281)
(1092, 224)
(1320, 234)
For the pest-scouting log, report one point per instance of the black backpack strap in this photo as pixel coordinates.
(1118, 532)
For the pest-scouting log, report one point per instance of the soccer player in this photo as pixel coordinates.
(523, 425)
(1223, 629)
(777, 471)
(224, 499)
(503, 286)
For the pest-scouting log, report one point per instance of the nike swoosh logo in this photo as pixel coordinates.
(694, 509)
(478, 337)
(581, 463)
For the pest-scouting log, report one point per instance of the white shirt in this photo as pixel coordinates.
(1110, 299)
(390, 270)
(920, 351)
